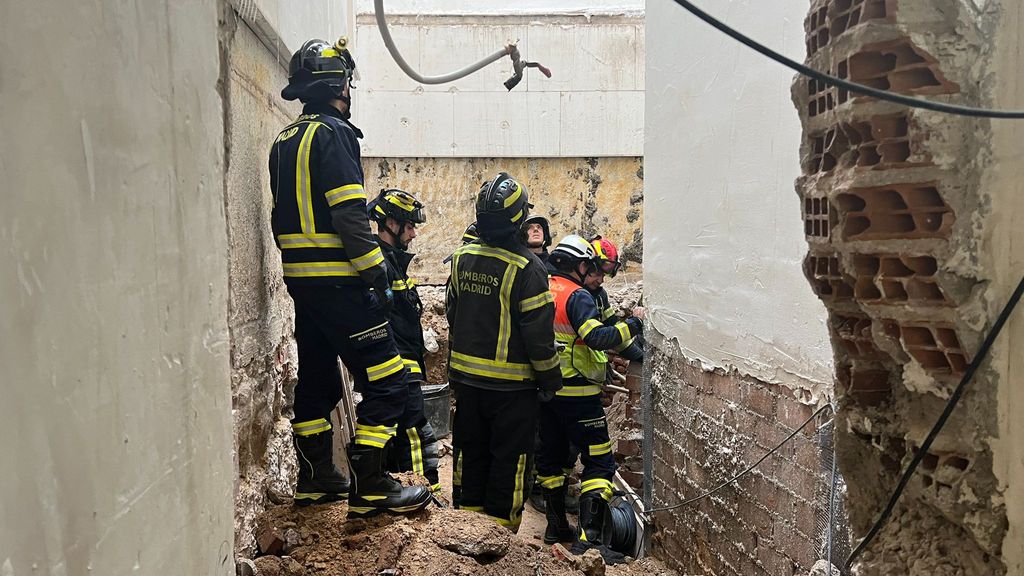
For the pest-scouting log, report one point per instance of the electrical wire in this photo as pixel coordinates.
(745, 471)
(846, 84)
(954, 399)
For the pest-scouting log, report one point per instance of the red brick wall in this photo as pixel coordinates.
(709, 426)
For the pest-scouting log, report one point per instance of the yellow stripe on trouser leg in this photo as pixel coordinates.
(310, 427)
(415, 450)
(551, 481)
(412, 366)
(385, 369)
(599, 449)
(601, 485)
(376, 436)
(519, 495)
(457, 471)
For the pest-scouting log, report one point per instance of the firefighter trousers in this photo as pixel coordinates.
(492, 438)
(343, 321)
(576, 421)
(415, 446)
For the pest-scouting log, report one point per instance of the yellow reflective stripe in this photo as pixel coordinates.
(624, 345)
(505, 318)
(303, 196)
(457, 472)
(599, 449)
(551, 481)
(515, 196)
(577, 391)
(597, 484)
(623, 330)
(588, 327)
(312, 269)
(535, 302)
(376, 436)
(473, 508)
(542, 365)
(344, 194)
(412, 366)
(492, 252)
(311, 427)
(415, 450)
(519, 495)
(398, 285)
(368, 260)
(384, 369)
(519, 216)
(287, 241)
(490, 368)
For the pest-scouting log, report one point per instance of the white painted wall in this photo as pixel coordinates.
(723, 238)
(592, 106)
(296, 21)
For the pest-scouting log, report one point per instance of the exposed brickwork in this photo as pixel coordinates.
(898, 189)
(706, 428)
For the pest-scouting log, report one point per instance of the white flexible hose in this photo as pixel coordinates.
(389, 42)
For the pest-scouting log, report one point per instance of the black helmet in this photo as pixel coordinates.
(398, 204)
(501, 207)
(318, 71)
(538, 219)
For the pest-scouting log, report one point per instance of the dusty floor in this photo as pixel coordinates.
(438, 541)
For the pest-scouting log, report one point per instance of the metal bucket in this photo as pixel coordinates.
(437, 405)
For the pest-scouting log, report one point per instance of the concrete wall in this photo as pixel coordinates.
(911, 218)
(740, 352)
(115, 429)
(592, 105)
(263, 355)
(577, 195)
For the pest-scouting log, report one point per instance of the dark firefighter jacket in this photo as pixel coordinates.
(319, 217)
(408, 310)
(500, 318)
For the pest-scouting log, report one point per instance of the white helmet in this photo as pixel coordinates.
(574, 248)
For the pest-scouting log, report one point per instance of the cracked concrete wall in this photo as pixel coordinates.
(577, 195)
(910, 217)
(260, 317)
(115, 428)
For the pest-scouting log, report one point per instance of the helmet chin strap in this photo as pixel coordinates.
(397, 237)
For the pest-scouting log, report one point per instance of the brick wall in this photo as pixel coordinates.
(708, 426)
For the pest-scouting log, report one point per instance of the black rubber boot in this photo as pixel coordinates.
(536, 499)
(319, 480)
(593, 533)
(558, 529)
(375, 491)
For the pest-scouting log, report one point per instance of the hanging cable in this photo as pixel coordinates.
(748, 469)
(950, 405)
(851, 86)
(511, 51)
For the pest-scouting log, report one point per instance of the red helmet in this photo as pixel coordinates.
(607, 255)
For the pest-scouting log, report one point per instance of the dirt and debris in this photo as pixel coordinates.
(432, 298)
(433, 542)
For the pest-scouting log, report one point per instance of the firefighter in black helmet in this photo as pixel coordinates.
(335, 274)
(537, 237)
(398, 214)
(503, 357)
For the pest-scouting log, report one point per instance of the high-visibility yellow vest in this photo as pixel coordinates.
(576, 358)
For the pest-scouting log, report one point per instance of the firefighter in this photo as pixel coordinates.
(335, 275)
(537, 237)
(502, 356)
(397, 214)
(608, 260)
(576, 416)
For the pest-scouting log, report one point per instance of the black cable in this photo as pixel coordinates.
(950, 405)
(744, 472)
(851, 86)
